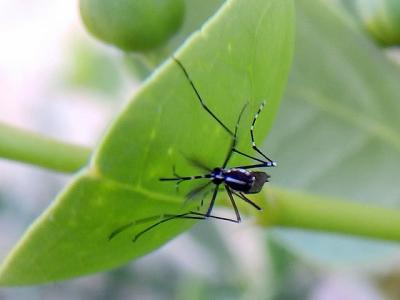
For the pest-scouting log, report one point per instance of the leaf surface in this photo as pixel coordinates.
(241, 55)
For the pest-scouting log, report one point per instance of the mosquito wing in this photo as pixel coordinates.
(196, 191)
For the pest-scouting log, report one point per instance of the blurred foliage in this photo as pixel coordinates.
(389, 282)
(3, 202)
(88, 68)
(337, 130)
(288, 270)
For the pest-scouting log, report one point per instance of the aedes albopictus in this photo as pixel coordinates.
(237, 181)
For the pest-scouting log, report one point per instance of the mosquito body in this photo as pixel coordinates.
(237, 181)
(241, 180)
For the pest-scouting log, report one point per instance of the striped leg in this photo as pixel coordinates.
(253, 143)
(234, 138)
(264, 163)
(179, 179)
(269, 162)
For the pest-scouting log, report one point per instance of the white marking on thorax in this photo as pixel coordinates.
(240, 170)
(233, 180)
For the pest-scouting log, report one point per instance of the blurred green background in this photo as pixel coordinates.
(329, 138)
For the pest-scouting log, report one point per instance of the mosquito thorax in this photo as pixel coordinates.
(238, 179)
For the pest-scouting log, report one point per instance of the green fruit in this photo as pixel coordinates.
(132, 25)
(382, 19)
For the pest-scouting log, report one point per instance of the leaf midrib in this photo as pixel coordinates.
(138, 188)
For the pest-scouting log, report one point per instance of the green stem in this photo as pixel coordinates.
(286, 209)
(32, 148)
(298, 210)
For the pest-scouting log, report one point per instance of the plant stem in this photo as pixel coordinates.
(32, 148)
(298, 210)
(284, 208)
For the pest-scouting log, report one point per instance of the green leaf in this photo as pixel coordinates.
(241, 55)
(337, 133)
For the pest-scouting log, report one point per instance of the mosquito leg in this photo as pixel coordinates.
(253, 143)
(130, 224)
(263, 165)
(119, 230)
(189, 215)
(165, 218)
(228, 190)
(215, 217)
(183, 178)
(240, 195)
(174, 172)
(179, 180)
(199, 97)
(168, 218)
(249, 156)
(212, 202)
(234, 138)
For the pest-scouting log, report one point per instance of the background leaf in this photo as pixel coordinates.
(242, 54)
(337, 133)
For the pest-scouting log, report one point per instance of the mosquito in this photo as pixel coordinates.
(236, 181)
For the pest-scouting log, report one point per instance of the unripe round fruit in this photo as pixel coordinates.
(132, 25)
(382, 19)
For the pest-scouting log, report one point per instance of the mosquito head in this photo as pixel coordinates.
(217, 175)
